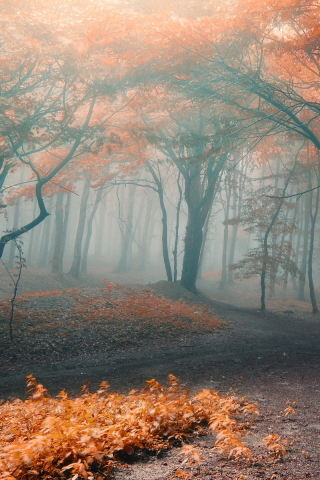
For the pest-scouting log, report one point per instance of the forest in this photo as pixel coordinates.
(159, 201)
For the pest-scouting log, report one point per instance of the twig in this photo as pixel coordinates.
(295, 195)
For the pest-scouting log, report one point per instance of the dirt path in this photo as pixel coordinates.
(270, 358)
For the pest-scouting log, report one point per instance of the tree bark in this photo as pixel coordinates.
(99, 233)
(62, 218)
(176, 237)
(31, 242)
(16, 220)
(304, 260)
(265, 246)
(165, 250)
(286, 274)
(198, 209)
(75, 268)
(297, 247)
(58, 232)
(84, 263)
(313, 219)
(223, 280)
(123, 264)
(43, 257)
(144, 257)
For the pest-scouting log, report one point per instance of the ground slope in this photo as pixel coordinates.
(268, 357)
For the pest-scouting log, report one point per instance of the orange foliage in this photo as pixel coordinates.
(45, 436)
(144, 306)
(40, 294)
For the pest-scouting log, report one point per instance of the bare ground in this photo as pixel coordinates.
(269, 357)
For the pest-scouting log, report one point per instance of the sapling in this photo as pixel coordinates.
(15, 278)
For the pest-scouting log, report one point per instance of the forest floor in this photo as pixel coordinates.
(88, 330)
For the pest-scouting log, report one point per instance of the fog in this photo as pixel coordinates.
(143, 154)
(117, 231)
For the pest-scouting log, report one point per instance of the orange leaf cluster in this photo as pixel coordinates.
(148, 307)
(60, 436)
(40, 294)
(275, 445)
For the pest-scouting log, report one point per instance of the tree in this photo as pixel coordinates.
(53, 101)
(193, 142)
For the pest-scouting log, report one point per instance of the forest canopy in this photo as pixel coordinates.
(198, 97)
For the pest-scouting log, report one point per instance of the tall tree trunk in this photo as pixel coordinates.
(138, 231)
(62, 218)
(304, 260)
(75, 268)
(198, 208)
(123, 264)
(16, 220)
(297, 247)
(165, 249)
(286, 273)
(150, 237)
(43, 258)
(176, 237)
(237, 210)
(146, 233)
(99, 232)
(313, 219)
(223, 280)
(204, 243)
(265, 257)
(58, 231)
(31, 242)
(84, 263)
(64, 235)
(193, 243)
(273, 265)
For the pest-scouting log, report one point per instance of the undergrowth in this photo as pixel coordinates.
(142, 309)
(146, 306)
(84, 437)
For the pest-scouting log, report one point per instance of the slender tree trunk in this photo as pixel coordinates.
(62, 218)
(138, 230)
(16, 220)
(146, 233)
(233, 243)
(123, 264)
(304, 260)
(99, 232)
(75, 268)
(58, 231)
(265, 247)
(31, 242)
(237, 210)
(176, 238)
(297, 248)
(313, 219)
(43, 258)
(165, 250)
(223, 280)
(274, 264)
(204, 241)
(286, 274)
(84, 263)
(64, 234)
(150, 237)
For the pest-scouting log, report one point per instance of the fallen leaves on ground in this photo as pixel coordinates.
(85, 436)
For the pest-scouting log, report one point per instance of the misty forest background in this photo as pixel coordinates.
(159, 151)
